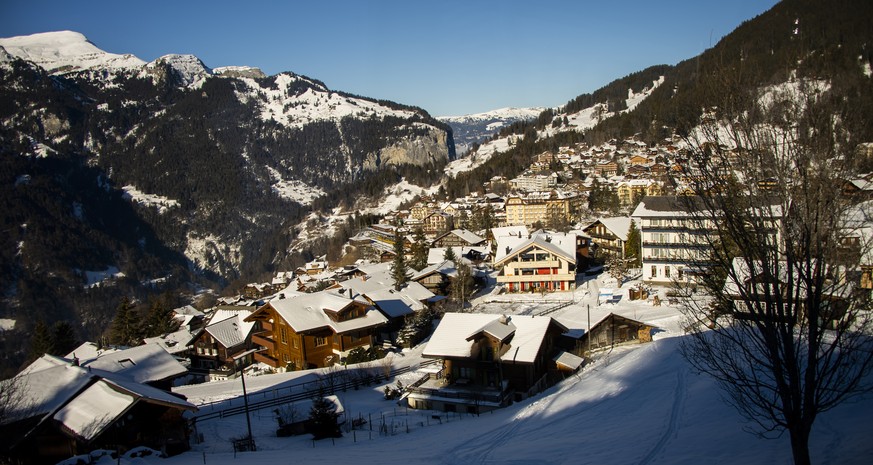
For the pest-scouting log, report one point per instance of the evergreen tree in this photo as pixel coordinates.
(632, 249)
(462, 285)
(323, 419)
(63, 338)
(42, 342)
(449, 255)
(160, 319)
(125, 328)
(420, 249)
(398, 267)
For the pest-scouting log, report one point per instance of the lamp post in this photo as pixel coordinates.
(242, 376)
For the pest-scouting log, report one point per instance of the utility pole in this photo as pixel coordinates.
(242, 375)
(589, 330)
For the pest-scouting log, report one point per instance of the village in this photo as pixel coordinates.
(449, 308)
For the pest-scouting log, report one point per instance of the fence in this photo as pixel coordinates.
(330, 383)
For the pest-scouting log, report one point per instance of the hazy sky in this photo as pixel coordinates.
(448, 57)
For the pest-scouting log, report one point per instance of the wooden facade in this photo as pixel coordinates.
(614, 330)
(287, 347)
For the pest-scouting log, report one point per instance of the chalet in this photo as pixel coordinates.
(216, 346)
(487, 361)
(70, 410)
(314, 330)
(147, 364)
(610, 234)
(538, 262)
(458, 238)
(436, 278)
(614, 330)
(606, 168)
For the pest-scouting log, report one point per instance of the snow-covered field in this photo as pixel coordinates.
(637, 404)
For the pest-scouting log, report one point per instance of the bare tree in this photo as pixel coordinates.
(791, 328)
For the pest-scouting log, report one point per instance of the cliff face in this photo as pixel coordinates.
(432, 148)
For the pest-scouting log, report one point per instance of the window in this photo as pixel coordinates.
(654, 271)
(295, 342)
(284, 334)
(320, 341)
(666, 271)
(680, 274)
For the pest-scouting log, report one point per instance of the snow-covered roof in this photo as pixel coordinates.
(394, 304)
(667, 206)
(88, 351)
(174, 343)
(563, 245)
(446, 267)
(465, 235)
(618, 225)
(308, 312)
(437, 254)
(229, 327)
(143, 364)
(94, 409)
(568, 360)
(450, 338)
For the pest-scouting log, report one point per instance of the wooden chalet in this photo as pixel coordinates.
(71, 410)
(487, 361)
(540, 262)
(314, 330)
(613, 330)
(458, 238)
(216, 345)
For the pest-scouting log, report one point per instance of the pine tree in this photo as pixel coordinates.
(63, 338)
(462, 285)
(449, 255)
(125, 328)
(632, 248)
(398, 267)
(42, 342)
(323, 419)
(419, 250)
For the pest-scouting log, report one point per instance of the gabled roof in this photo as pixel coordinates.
(451, 337)
(500, 329)
(467, 236)
(308, 312)
(174, 343)
(143, 364)
(447, 268)
(561, 245)
(229, 327)
(618, 225)
(394, 304)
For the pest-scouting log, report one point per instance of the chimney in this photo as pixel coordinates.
(75, 361)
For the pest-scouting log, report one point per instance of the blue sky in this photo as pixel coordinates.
(448, 57)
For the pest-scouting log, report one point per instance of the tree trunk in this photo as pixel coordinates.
(800, 444)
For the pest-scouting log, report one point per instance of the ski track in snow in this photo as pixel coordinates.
(675, 413)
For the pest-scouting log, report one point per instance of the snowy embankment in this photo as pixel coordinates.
(635, 404)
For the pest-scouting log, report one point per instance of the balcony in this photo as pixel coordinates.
(434, 387)
(263, 339)
(264, 358)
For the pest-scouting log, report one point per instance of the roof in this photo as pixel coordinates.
(232, 330)
(143, 364)
(89, 351)
(618, 225)
(174, 343)
(562, 245)
(308, 312)
(447, 268)
(668, 205)
(465, 235)
(568, 360)
(451, 338)
(394, 304)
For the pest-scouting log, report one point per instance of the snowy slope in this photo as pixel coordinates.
(580, 121)
(638, 404)
(66, 51)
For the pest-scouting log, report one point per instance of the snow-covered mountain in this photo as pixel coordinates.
(170, 167)
(474, 129)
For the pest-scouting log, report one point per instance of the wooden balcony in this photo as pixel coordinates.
(263, 339)
(264, 358)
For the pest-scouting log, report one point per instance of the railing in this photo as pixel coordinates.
(262, 340)
(325, 388)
